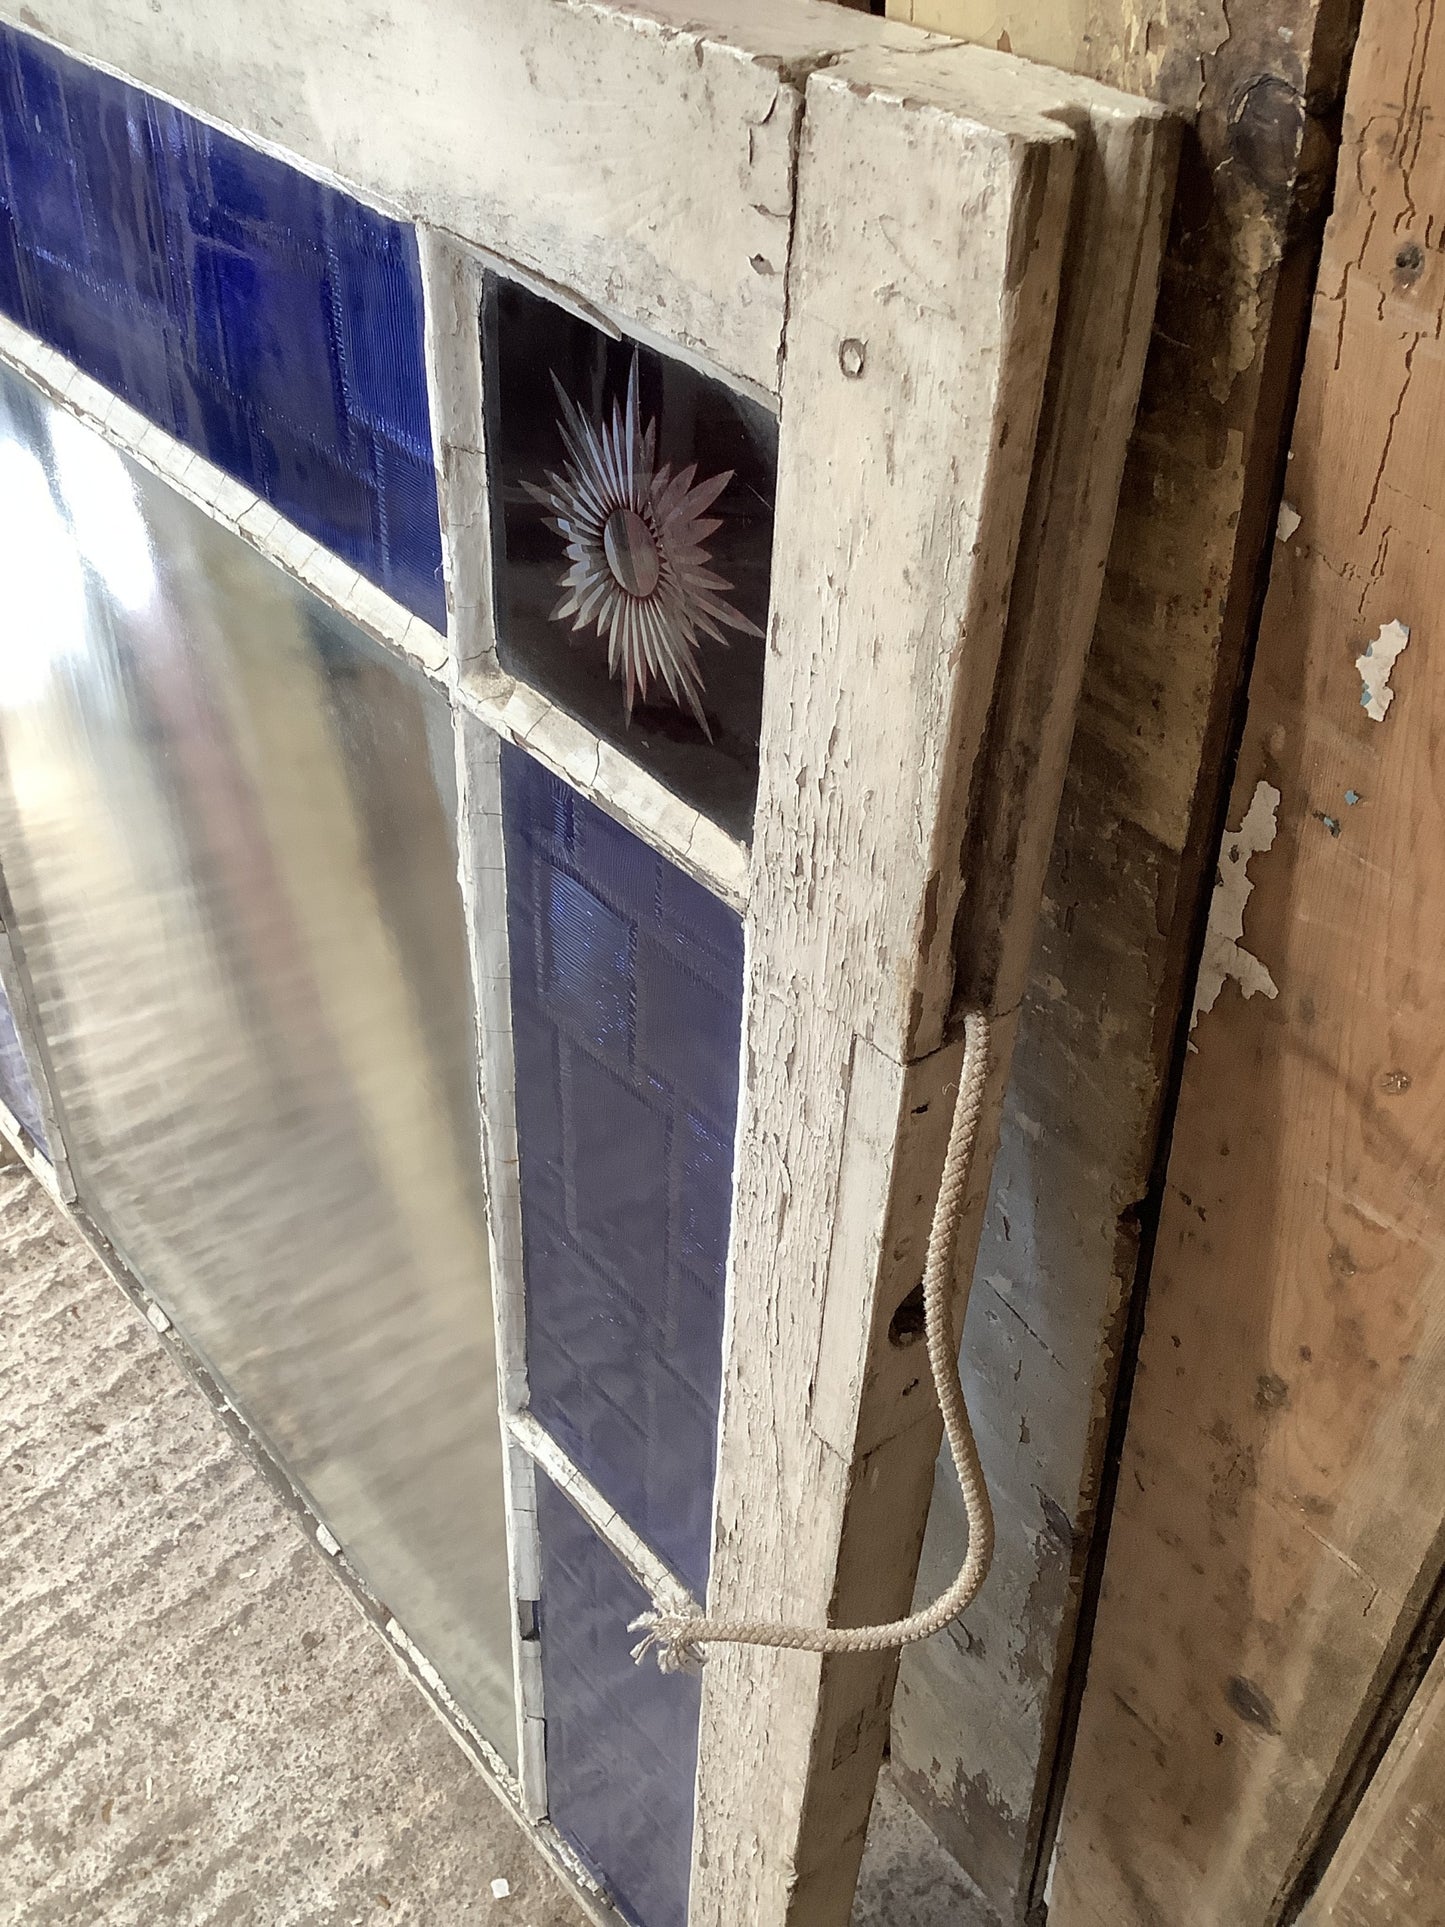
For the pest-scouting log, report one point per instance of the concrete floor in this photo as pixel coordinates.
(196, 1725)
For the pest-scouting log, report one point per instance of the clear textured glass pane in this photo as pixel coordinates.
(268, 320)
(621, 1738)
(227, 825)
(627, 1021)
(17, 1086)
(633, 544)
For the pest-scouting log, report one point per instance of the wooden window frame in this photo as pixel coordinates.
(937, 265)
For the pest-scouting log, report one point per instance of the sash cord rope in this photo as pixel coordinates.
(679, 1639)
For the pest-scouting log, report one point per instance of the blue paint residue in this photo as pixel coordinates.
(627, 1020)
(267, 321)
(621, 1739)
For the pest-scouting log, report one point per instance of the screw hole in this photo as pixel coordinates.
(909, 1321)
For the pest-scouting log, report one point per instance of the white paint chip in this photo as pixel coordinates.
(1289, 521)
(327, 1541)
(157, 1317)
(1224, 953)
(500, 1889)
(1375, 666)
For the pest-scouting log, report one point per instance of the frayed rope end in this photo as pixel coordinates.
(667, 1634)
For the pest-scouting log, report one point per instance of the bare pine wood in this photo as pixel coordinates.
(886, 1417)
(977, 1718)
(1282, 1487)
(1389, 1870)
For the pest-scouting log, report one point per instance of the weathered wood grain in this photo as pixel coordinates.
(979, 1713)
(1282, 1489)
(1389, 1870)
(913, 377)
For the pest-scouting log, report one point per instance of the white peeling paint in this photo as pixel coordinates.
(327, 1541)
(1224, 953)
(1289, 521)
(156, 1317)
(1375, 666)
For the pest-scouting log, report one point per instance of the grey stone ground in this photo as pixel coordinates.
(196, 1726)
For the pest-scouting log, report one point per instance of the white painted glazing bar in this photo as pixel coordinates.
(603, 775)
(665, 1588)
(482, 875)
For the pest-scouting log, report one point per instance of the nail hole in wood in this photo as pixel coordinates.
(907, 1323)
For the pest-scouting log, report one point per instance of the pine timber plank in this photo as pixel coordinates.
(1278, 1522)
(1389, 1870)
(981, 1711)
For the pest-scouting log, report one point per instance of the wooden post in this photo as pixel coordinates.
(867, 808)
(981, 1719)
(1281, 1492)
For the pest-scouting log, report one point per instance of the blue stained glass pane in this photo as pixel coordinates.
(17, 1086)
(627, 1018)
(268, 321)
(621, 1739)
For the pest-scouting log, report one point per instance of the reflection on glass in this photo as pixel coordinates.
(633, 543)
(226, 821)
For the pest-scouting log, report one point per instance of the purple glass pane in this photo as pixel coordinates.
(634, 545)
(621, 1739)
(627, 1014)
(264, 319)
(17, 1086)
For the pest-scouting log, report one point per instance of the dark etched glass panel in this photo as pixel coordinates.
(227, 827)
(633, 543)
(17, 1086)
(271, 322)
(621, 1738)
(627, 1012)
